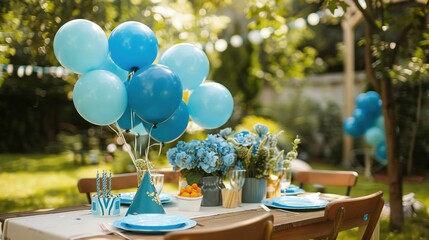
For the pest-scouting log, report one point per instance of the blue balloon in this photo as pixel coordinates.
(100, 97)
(370, 102)
(129, 119)
(154, 92)
(374, 136)
(352, 128)
(363, 119)
(381, 153)
(171, 129)
(133, 45)
(188, 62)
(80, 45)
(110, 66)
(210, 105)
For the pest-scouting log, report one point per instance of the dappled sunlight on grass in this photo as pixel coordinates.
(38, 181)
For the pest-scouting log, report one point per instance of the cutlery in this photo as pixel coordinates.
(265, 208)
(107, 229)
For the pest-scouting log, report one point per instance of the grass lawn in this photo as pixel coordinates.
(38, 181)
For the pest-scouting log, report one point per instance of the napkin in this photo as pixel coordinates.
(146, 199)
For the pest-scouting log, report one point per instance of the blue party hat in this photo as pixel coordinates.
(146, 199)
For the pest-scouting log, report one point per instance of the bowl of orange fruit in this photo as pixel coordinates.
(189, 198)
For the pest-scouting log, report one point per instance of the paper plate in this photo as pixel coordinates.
(151, 227)
(295, 203)
(127, 198)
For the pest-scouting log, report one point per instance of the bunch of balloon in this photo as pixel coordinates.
(368, 121)
(120, 83)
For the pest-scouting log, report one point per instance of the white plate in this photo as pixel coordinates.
(127, 197)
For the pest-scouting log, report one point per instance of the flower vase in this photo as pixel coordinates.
(254, 190)
(211, 189)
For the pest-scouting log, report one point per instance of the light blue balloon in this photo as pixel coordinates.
(210, 105)
(154, 92)
(381, 153)
(80, 45)
(110, 66)
(171, 129)
(379, 122)
(100, 97)
(187, 61)
(133, 45)
(374, 136)
(138, 130)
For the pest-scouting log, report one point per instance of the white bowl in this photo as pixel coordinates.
(191, 204)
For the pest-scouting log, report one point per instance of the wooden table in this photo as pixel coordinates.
(287, 225)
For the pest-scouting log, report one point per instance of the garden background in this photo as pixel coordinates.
(289, 76)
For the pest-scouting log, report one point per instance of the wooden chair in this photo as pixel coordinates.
(119, 181)
(327, 178)
(257, 228)
(122, 181)
(359, 212)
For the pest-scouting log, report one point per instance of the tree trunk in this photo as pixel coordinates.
(415, 127)
(394, 165)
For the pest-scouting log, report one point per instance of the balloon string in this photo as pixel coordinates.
(131, 74)
(148, 145)
(127, 146)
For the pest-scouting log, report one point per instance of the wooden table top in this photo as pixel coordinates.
(284, 221)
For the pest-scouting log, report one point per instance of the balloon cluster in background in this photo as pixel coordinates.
(368, 121)
(120, 83)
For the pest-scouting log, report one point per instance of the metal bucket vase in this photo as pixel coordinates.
(211, 189)
(254, 190)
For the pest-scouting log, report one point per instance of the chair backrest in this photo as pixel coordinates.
(257, 228)
(122, 181)
(327, 178)
(360, 211)
(119, 181)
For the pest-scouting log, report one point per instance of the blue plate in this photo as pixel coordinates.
(153, 221)
(292, 190)
(127, 198)
(295, 203)
(185, 225)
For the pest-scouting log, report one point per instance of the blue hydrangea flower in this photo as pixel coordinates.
(214, 155)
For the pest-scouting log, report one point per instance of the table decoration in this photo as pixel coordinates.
(146, 199)
(122, 87)
(204, 162)
(280, 176)
(104, 203)
(191, 204)
(256, 153)
(231, 198)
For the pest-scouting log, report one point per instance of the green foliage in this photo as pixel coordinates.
(282, 55)
(319, 127)
(27, 33)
